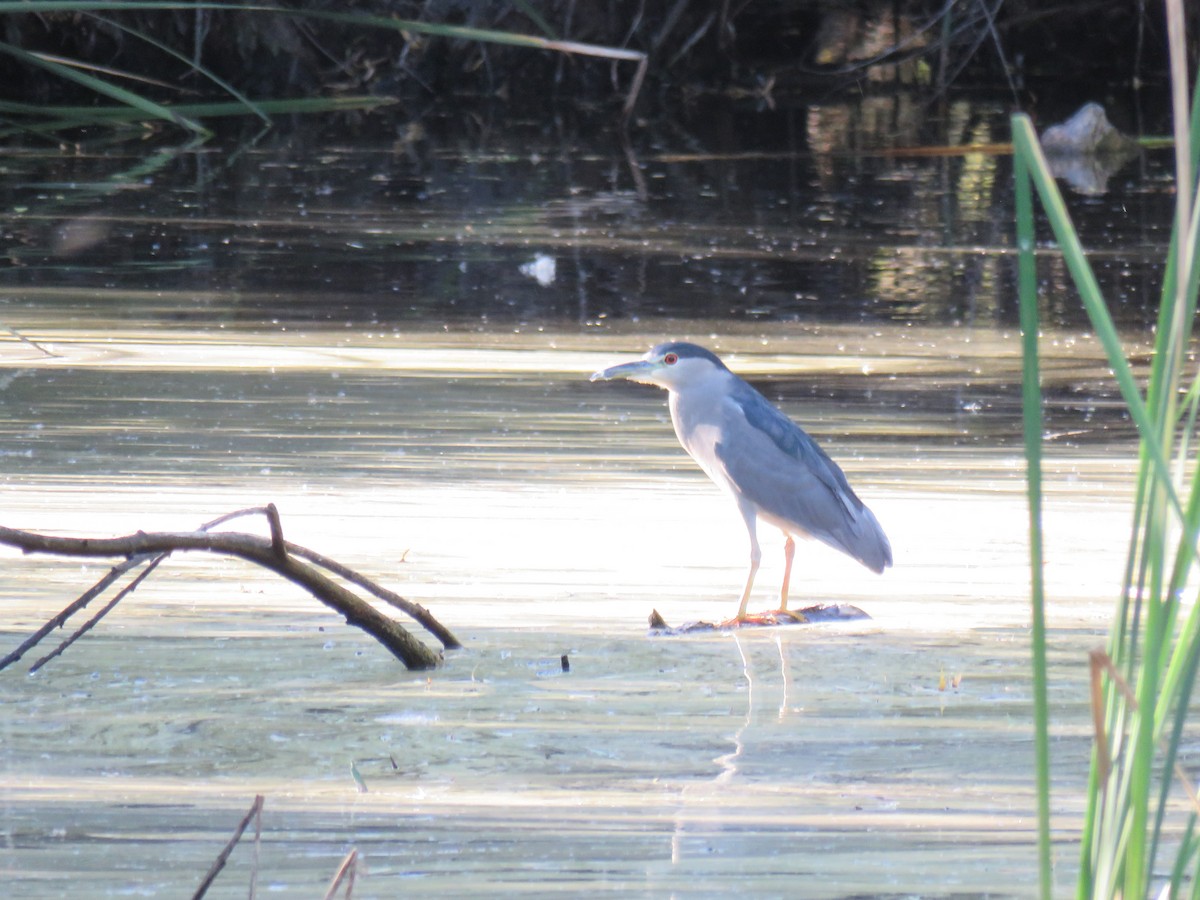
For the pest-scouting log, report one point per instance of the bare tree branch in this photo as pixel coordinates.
(415, 610)
(91, 623)
(274, 553)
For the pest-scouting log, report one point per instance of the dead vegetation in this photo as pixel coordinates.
(143, 552)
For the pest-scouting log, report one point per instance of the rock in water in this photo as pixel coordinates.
(1088, 131)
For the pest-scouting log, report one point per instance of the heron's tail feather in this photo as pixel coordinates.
(867, 543)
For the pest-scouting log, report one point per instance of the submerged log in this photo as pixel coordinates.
(291, 561)
(822, 612)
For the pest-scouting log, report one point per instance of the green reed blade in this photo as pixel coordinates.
(1031, 407)
(246, 103)
(457, 32)
(207, 110)
(1183, 663)
(1025, 143)
(121, 95)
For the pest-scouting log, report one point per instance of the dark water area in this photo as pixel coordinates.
(818, 216)
(387, 330)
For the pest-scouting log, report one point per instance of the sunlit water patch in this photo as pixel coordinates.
(538, 516)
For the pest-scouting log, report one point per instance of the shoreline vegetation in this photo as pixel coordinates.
(68, 65)
(1141, 830)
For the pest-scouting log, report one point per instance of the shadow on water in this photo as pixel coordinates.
(357, 332)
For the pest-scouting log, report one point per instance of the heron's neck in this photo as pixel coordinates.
(695, 411)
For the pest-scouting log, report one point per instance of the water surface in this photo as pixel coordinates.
(347, 332)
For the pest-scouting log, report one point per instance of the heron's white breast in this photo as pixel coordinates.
(699, 415)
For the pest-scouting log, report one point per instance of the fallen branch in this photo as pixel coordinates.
(91, 623)
(274, 553)
(83, 600)
(822, 612)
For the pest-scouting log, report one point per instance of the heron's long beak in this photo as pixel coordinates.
(632, 371)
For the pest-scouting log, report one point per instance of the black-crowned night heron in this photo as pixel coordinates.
(773, 470)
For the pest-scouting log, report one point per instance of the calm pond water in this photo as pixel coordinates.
(353, 328)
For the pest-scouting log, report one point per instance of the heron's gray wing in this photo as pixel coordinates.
(775, 464)
(792, 441)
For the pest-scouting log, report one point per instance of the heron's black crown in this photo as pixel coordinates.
(684, 350)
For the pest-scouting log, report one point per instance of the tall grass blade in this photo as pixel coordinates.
(296, 106)
(249, 105)
(1031, 406)
(120, 94)
(1025, 143)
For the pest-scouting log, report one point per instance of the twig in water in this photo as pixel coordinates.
(257, 852)
(347, 871)
(83, 600)
(90, 623)
(255, 813)
(24, 340)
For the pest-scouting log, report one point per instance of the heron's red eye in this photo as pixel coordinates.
(670, 359)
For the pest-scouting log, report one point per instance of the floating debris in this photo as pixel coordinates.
(541, 269)
(1088, 131)
(1086, 150)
